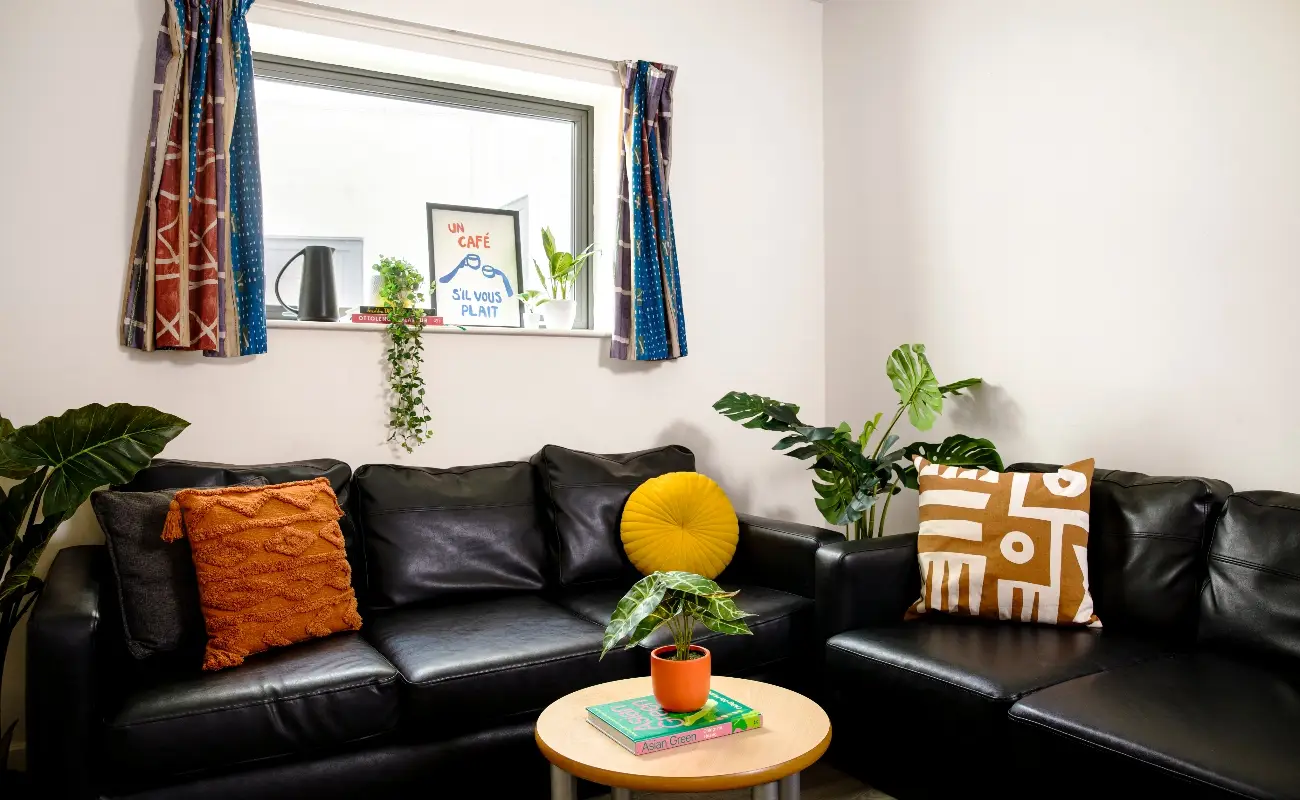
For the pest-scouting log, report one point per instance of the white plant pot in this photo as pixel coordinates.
(559, 315)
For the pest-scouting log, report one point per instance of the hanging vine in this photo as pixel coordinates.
(408, 416)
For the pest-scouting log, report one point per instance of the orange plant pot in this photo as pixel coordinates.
(680, 686)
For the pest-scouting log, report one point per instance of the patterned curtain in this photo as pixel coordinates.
(649, 324)
(196, 276)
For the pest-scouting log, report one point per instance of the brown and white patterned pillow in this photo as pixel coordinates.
(1010, 546)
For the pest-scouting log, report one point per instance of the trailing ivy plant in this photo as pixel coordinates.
(408, 416)
(677, 600)
(852, 472)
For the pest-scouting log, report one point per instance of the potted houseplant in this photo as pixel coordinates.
(559, 281)
(57, 463)
(679, 672)
(854, 472)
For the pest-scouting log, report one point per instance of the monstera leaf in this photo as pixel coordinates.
(918, 391)
(957, 450)
(86, 448)
(763, 413)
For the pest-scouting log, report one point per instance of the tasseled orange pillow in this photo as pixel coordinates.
(271, 565)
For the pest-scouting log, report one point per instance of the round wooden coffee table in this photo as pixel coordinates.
(794, 735)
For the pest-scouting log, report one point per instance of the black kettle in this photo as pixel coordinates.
(317, 299)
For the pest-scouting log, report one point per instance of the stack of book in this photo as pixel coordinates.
(379, 314)
(642, 727)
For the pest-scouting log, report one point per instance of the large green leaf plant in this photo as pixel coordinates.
(854, 471)
(57, 463)
(677, 600)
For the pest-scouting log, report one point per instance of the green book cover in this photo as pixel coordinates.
(641, 726)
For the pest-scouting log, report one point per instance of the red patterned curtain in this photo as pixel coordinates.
(185, 285)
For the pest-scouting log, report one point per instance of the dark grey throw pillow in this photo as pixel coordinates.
(157, 589)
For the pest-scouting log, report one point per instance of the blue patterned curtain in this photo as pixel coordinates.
(195, 281)
(649, 324)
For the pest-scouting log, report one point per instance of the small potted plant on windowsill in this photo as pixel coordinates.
(559, 281)
(679, 672)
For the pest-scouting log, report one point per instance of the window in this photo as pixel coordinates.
(351, 158)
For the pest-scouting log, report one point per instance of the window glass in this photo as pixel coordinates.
(356, 170)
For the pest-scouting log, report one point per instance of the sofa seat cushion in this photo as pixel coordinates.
(482, 662)
(1197, 719)
(292, 701)
(995, 662)
(784, 626)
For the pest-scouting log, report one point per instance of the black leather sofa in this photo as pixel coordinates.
(483, 590)
(1191, 690)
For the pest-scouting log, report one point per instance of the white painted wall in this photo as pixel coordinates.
(747, 188)
(1093, 204)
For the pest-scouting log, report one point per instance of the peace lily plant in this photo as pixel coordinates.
(851, 472)
(559, 281)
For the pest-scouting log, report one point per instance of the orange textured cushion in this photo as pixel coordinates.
(271, 565)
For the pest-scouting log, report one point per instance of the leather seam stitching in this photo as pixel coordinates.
(784, 531)
(512, 668)
(928, 676)
(417, 509)
(1257, 567)
(237, 706)
(1122, 754)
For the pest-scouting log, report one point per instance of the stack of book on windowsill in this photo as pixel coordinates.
(641, 726)
(379, 315)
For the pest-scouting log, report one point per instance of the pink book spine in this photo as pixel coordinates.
(672, 740)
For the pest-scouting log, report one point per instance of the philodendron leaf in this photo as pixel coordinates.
(958, 450)
(918, 391)
(639, 602)
(957, 386)
(86, 448)
(6, 428)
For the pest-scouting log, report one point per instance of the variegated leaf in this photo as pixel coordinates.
(639, 602)
(689, 583)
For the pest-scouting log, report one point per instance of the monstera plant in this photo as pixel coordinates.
(58, 462)
(851, 471)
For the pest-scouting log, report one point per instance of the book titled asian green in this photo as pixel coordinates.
(641, 726)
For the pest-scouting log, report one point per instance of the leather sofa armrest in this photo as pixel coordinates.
(778, 555)
(866, 582)
(62, 666)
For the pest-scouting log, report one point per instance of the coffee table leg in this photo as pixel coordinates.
(788, 788)
(620, 794)
(765, 792)
(563, 785)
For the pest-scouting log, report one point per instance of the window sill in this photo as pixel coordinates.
(451, 329)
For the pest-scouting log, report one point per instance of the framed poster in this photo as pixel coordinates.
(476, 266)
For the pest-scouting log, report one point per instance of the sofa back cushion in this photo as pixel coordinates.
(164, 473)
(584, 498)
(1252, 599)
(435, 533)
(1146, 548)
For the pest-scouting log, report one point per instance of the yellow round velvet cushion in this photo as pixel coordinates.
(680, 521)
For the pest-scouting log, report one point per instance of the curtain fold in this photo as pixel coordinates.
(649, 322)
(196, 261)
